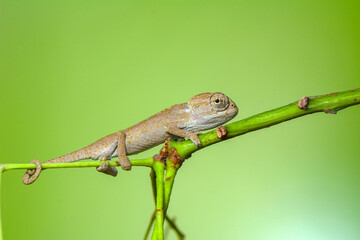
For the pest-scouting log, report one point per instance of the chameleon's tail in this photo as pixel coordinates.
(94, 151)
(80, 154)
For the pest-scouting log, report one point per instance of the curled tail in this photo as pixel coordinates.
(32, 174)
(103, 147)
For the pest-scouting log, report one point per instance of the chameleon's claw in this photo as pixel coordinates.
(104, 165)
(125, 163)
(32, 174)
(196, 140)
(198, 144)
(105, 168)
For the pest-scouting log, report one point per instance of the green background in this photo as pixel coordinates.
(73, 71)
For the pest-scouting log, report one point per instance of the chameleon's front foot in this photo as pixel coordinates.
(32, 174)
(105, 168)
(195, 139)
(182, 133)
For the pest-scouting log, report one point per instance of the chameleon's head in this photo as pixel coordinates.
(212, 109)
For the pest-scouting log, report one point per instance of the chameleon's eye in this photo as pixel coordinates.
(219, 102)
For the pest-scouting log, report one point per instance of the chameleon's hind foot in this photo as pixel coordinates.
(125, 163)
(105, 168)
(121, 151)
(32, 174)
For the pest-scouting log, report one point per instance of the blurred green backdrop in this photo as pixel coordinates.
(73, 71)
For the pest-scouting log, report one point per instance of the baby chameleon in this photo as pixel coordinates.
(203, 111)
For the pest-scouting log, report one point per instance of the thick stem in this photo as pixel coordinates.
(153, 186)
(168, 189)
(158, 234)
(171, 171)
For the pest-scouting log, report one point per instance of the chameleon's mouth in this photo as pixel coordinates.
(233, 109)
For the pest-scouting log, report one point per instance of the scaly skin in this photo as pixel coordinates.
(202, 112)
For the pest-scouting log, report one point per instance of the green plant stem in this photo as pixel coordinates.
(158, 233)
(153, 187)
(329, 103)
(167, 199)
(153, 183)
(170, 174)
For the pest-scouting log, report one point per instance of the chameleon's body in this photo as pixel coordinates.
(202, 112)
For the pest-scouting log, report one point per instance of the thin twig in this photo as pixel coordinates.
(172, 224)
(149, 226)
(11, 166)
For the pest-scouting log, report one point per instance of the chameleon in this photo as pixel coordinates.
(202, 112)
